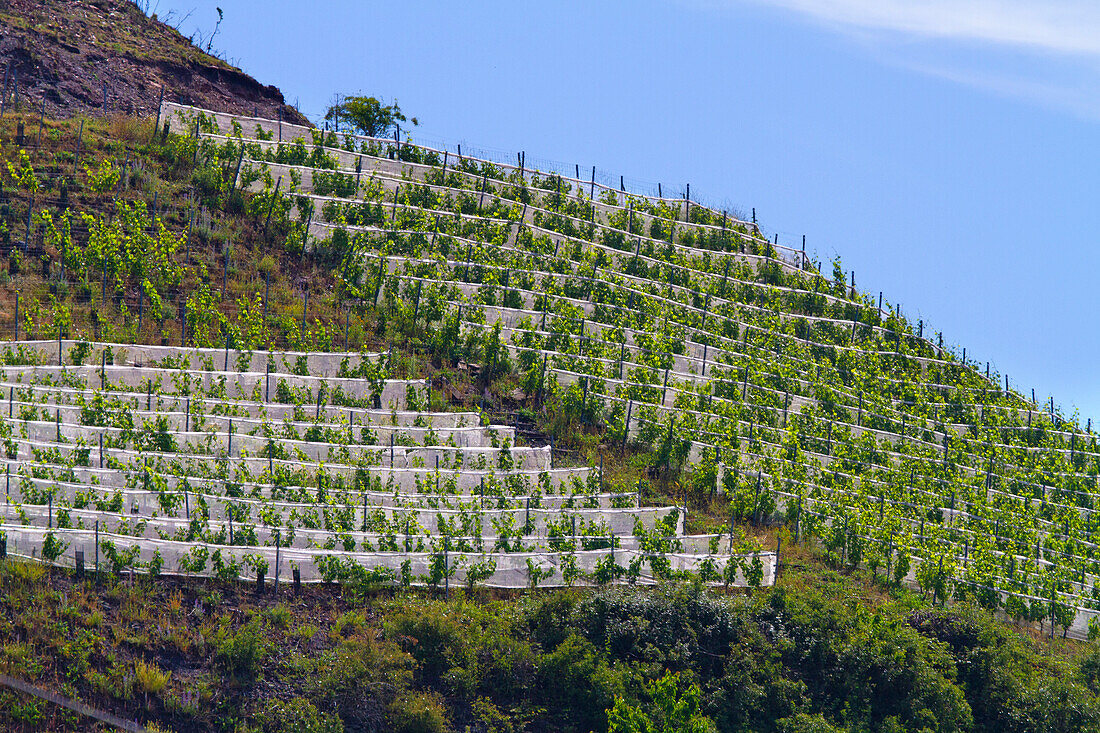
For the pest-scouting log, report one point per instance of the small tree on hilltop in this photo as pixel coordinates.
(368, 116)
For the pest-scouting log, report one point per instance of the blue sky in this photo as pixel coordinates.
(945, 149)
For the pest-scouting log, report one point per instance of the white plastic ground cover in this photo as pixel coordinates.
(623, 258)
(394, 176)
(482, 516)
(234, 438)
(579, 488)
(509, 570)
(627, 389)
(179, 118)
(680, 365)
(246, 471)
(514, 321)
(240, 384)
(245, 384)
(196, 404)
(1078, 628)
(284, 426)
(916, 439)
(394, 171)
(398, 213)
(959, 495)
(399, 171)
(121, 499)
(700, 448)
(714, 310)
(925, 361)
(896, 546)
(807, 317)
(696, 351)
(243, 534)
(591, 309)
(677, 377)
(620, 368)
(794, 400)
(696, 274)
(394, 455)
(916, 509)
(1000, 475)
(514, 326)
(500, 494)
(513, 481)
(395, 460)
(689, 365)
(318, 364)
(596, 386)
(195, 427)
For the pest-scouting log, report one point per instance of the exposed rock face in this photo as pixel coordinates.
(66, 51)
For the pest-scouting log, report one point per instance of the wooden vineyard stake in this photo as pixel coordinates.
(160, 105)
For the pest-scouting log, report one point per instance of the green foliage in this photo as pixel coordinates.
(149, 678)
(209, 183)
(298, 714)
(52, 548)
(104, 178)
(240, 652)
(419, 713)
(463, 650)
(205, 321)
(805, 723)
(124, 247)
(576, 679)
(367, 115)
(674, 708)
(805, 658)
(23, 173)
(360, 679)
(156, 435)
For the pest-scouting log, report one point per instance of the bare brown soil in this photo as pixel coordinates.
(67, 51)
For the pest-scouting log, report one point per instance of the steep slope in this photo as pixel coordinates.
(69, 52)
(263, 351)
(666, 325)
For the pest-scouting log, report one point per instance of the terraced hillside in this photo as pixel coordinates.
(672, 327)
(226, 463)
(308, 426)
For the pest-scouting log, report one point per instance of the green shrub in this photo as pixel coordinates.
(576, 682)
(804, 723)
(149, 678)
(465, 650)
(209, 183)
(674, 709)
(279, 616)
(298, 716)
(240, 653)
(419, 712)
(348, 624)
(434, 637)
(105, 178)
(360, 679)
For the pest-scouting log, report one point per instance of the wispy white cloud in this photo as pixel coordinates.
(1044, 52)
(1068, 92)
(1055, 26)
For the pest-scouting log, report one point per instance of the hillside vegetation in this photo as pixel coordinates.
(820, 652)
(622, 346)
